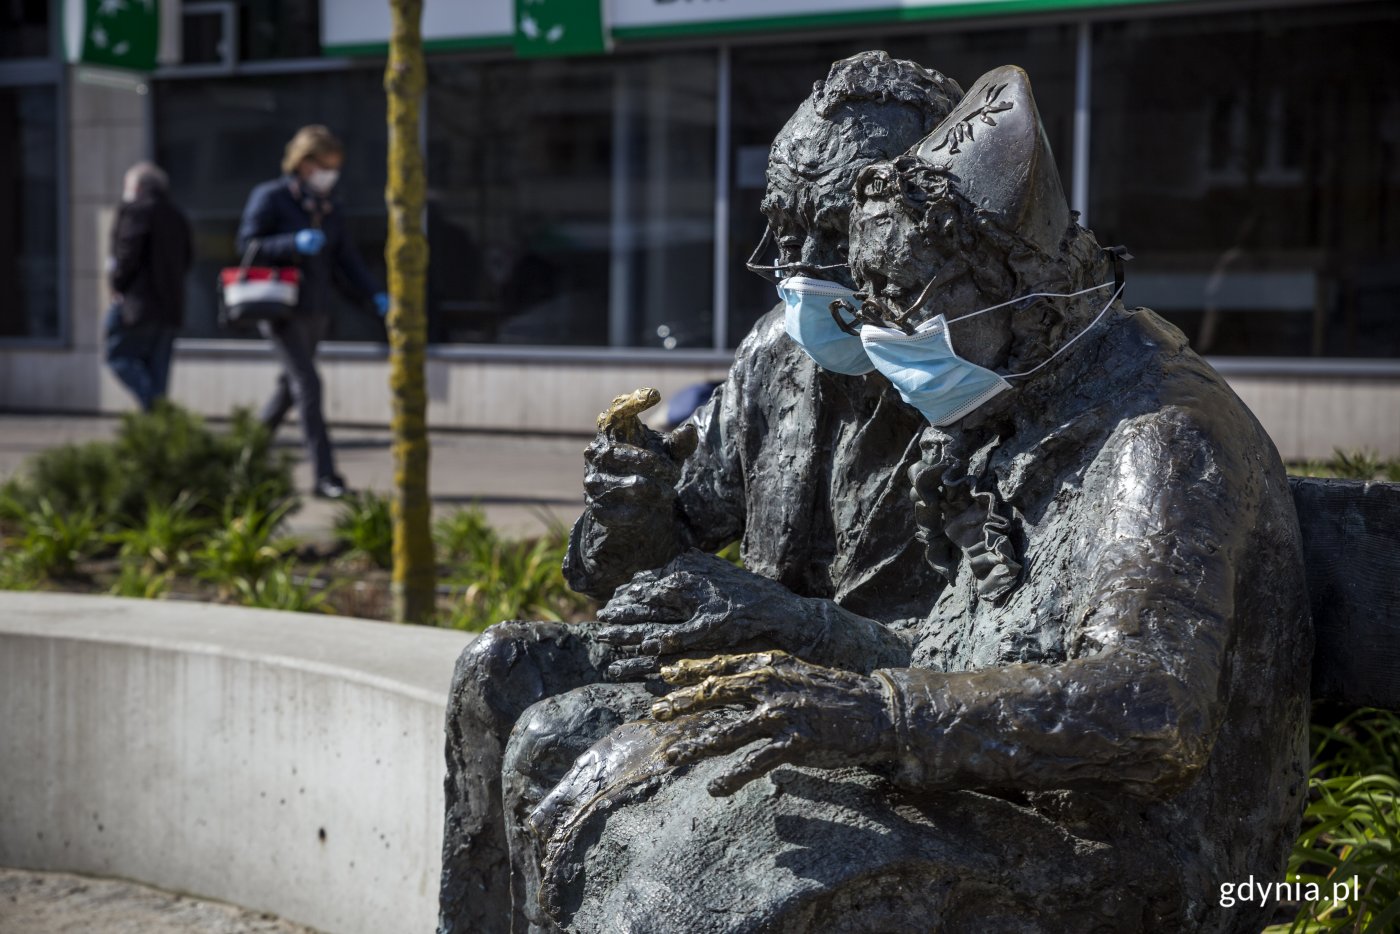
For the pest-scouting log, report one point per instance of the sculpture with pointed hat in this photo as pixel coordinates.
(1099, 715)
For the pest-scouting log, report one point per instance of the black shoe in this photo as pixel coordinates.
(330, 488)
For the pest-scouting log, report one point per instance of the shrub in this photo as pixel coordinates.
(18, 571)
(500, 579)
(72, 477)
(158, 457)
(139, 579)
(463, 536)
(54, 542)
(365, 525)
(163, 539)
(279, 589)
(1351, 827)
(245, 548)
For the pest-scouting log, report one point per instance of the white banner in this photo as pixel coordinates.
(631, 14)
(360, 23)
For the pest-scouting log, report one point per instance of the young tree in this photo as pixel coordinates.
(406, 253)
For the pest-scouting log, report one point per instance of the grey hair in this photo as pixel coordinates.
(146, 176)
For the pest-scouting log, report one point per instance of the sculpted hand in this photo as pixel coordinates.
(631, 471)
(629, 486)
(799, 713)
(700, 602)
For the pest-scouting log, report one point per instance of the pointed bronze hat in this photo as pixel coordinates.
(994, 145)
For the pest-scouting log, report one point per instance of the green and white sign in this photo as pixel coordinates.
(588, 27)
(560, 27)
(112, 33)
(647, 19)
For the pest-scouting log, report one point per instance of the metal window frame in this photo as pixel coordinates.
(228, 12)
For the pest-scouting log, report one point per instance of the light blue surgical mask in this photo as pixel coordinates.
(809, 322)
(931, 376)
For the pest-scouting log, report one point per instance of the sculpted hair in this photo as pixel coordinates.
(311, 142)
(877, 78)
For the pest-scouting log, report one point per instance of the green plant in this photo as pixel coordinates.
(1351, 828)
(70, 478)
(365, 525)
(163, 539)
(1356, 465)
(501, 579)
(733, 553)
(279, 588)
(12, 510)
(1350, 465)
(17, 571)
(170, 452)
(463, 536)
(56, 541)
(139, 579)
(245, 547)
(158, 457)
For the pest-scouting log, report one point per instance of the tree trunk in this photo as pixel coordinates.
(406, 255)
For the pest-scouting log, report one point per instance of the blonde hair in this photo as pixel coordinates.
(311, 142)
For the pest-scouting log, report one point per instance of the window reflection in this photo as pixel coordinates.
(24, 29)
(572, 202)
(218, 138)
(29, 268)
(1252, 162)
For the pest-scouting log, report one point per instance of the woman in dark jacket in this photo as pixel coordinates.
(295, 221)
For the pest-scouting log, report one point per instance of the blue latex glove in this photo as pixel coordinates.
(310, 241)
(381, 302)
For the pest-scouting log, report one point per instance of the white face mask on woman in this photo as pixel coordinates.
(323, 180)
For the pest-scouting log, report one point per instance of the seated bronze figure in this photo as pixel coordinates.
(1085, 710)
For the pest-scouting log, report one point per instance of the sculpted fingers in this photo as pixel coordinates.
(727, 736)
(629, 634)
(693, 670)
(747, 688)
(682, 442)
(626, 460)
(783, 751)
(651, 597)
(631, 669)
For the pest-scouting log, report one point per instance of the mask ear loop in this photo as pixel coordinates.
(752, 263)
(1119, 255)
(1070, 343)
(856, 318)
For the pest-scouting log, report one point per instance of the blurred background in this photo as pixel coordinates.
(592, 199)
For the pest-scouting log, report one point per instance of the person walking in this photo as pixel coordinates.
(295, 220)
(150, 256)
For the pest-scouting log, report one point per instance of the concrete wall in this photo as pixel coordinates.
(283, 762)
(1307, 416)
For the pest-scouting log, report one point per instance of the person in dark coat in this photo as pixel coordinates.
(150, 257)
(294, 220)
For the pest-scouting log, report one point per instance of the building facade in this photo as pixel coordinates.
(595, 170)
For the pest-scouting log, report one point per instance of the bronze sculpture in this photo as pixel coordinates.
(1095, 712)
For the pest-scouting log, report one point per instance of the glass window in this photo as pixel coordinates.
(572, 201)
(29, 267)
(24, 29)
(279, 29)
(218, 138)
(1251, 161)
(769, 82)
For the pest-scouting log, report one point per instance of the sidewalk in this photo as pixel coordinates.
(523, 482)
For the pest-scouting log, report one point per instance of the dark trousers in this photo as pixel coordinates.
(295, 341)
(139, 355)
